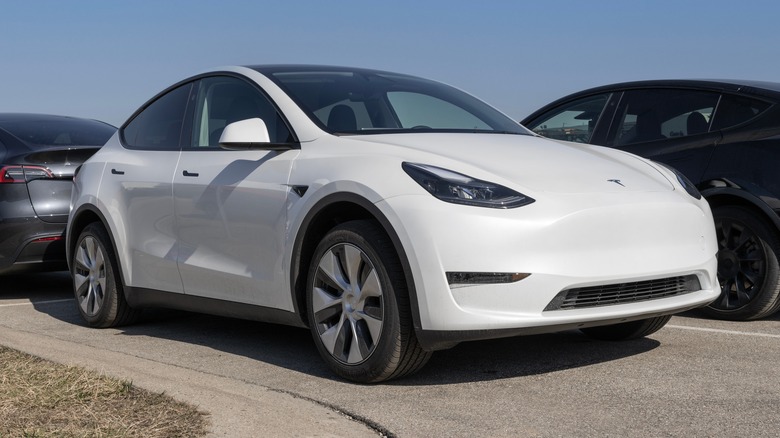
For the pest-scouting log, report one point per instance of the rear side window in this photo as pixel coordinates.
(734, 110)
(159, 125)
(656, 114)
(574, 121)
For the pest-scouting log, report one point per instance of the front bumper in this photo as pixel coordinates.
(565, 242)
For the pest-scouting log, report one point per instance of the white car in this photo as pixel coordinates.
(392, 215)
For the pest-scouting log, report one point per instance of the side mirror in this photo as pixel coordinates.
(244, 133)
(249, 134)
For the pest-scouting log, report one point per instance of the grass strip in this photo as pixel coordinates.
(39, 398)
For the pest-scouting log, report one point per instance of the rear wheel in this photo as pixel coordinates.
(358, 306)
(748, 269)
(627, 330)
(99, 293)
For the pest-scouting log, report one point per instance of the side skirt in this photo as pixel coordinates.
(141, 297)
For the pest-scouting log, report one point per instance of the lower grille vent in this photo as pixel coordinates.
(622, 293)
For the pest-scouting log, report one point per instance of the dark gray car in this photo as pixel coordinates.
(38, 155)
(722, 135)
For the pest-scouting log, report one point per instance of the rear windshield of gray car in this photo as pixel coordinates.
(60, 132)
(360, 102)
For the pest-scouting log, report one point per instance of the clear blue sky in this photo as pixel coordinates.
(104, 58)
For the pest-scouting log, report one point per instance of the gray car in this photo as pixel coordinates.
(38, 154)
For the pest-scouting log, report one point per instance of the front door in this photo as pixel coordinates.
(231, 206)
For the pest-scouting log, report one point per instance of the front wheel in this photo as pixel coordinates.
(358, 306)
(748, 269)
(627, 330)
(99, 293)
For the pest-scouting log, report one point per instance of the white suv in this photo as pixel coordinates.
(392, 215)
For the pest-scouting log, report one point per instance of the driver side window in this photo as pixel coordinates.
(222, 100)
(573, 122)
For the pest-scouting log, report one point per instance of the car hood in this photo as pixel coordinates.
(533, 162)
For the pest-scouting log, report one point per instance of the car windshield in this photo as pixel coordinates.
(66, 132)
(369, 102)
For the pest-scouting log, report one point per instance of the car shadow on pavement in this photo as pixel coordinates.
(35, 286)
(279, 345)
(523, 356)
(292, 348)
(698, 314)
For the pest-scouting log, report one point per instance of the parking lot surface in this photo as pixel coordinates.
(695, 377)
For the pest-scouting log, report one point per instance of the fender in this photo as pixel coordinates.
(724, 187)
(299, 263)
(70, 239)
(76, 218)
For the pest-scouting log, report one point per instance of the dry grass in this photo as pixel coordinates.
(43, 399)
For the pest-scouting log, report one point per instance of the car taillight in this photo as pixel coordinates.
(47, 239)
(22, 174)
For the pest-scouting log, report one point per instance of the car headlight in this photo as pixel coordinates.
(684, 181)
(457, 188)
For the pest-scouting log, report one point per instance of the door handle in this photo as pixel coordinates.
(117, 172)
(185, 173)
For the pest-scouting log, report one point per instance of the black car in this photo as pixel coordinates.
(725, 137)
(38, 154)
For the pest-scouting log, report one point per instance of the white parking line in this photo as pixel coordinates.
(30, 303)
(727, 332)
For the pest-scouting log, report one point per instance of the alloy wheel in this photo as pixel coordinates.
(347, 304)
(89, 276)
(741, 264)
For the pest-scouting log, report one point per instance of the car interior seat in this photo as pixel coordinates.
(342, 119)
(648, 128)
(696, 122)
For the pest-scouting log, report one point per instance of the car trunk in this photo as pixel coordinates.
(50, 192)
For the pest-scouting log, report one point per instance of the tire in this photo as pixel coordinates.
(748, 269)
(99, 293)
(358, 306)
(627, 330)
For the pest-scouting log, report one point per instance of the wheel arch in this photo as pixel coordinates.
(719, 197)
(326, 214)
(85, 215)
(760, 299)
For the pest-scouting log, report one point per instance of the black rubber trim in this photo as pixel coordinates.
(141, 297)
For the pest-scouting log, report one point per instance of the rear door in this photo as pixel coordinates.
(138, 189)
(750, 151)
(672, 126)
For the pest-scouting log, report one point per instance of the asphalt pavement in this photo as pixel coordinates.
(695, 377)
(37, 310)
